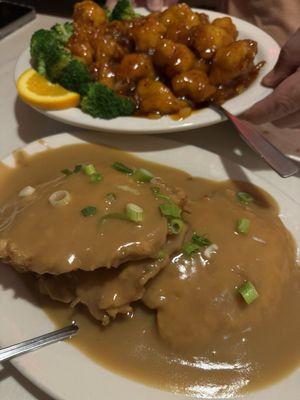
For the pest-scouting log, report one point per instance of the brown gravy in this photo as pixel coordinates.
(245, 357)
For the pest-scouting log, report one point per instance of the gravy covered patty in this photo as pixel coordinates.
(199, 277)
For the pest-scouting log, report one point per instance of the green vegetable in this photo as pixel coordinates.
(175, 226)
(248, 291)
(47, 54)
(111, 197)
(101, 102)
(89, 169)
(200, 240)
(66, 171)
(115, 216)
(123, 10)
(243, 226)
(190, 248)
(63, 32)
(142, 175)
(96, 177)
(75, 76)
(158, 194)
(89, 211)
(122, 168)
(170, 210)
(134, 212)
(77, 169)
(244, 197)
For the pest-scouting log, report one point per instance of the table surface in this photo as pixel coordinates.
(20, 124)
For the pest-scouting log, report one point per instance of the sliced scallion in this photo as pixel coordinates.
(134, 212)
(129, 189)
(66, 171)
(120, 216)
(248, 291)
(111, 197)
(77, 168)
(142, 175)
(122, 168)
(158, 194)
(175, 226)
(89, 211)
(26, 191)
(190, 248)
(170, 210)
(96, 177)
(244, 197)
(89, 169)
(200, 240)
(60, 198)
(243, 226)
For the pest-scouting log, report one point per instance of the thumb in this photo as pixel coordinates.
(287, 63)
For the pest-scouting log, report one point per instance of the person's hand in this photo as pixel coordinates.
(282, 106)
(154, 5)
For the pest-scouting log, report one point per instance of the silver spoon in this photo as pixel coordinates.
(18, 349)
(268, 152)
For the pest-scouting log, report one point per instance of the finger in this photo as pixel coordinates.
(288, 61)
(284, 100)
(290, 121)
(155, 5)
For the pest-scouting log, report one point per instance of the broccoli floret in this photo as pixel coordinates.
(123, 10)
(63, 32)
(102, 102)
(48, 56)
(75, 77)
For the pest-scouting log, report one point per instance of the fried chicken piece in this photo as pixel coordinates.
(210, 37)
(173, 58)
(193, 84)
(107, 48)
(103, 72)
(146, 32)
(155, 97)
(233, 62)
(89, 14)
(134, 67)
(179, 21)
(80, 46)
(227, 24)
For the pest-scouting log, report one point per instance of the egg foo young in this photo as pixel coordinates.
(191, 277)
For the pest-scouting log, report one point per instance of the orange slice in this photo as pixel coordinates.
(37, 91)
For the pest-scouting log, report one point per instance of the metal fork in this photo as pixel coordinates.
(267, 151)
(18, 349)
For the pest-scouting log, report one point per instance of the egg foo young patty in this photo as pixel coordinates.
(195, 275)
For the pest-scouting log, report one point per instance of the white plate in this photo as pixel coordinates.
(62, 370)
(268, 51)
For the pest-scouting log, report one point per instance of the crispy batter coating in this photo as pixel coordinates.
(146, 32)
(227, 24)
(193, 84)
(156, 98)
(233, 62)
(88, 13)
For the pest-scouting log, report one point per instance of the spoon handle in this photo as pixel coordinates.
(18, 349)
(251, 135)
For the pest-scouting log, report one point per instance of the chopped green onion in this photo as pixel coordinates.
(66, 171)
(122, 168)
(96, 177)
(158, 194)
(115, 216)
(111, 197)
(160, 255)
(200, 240)
(142, 175)
(243, 226)
(190, 248)
(89, 211)
(129, 189)
(89, 169)
(175, 226)
(77, 168)
(60, 198)
(134, 212)
(244, 197)
(248, 291)
(170, 210)
(26, 191)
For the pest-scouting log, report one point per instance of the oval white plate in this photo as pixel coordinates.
(63, 371)
(268, 51)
